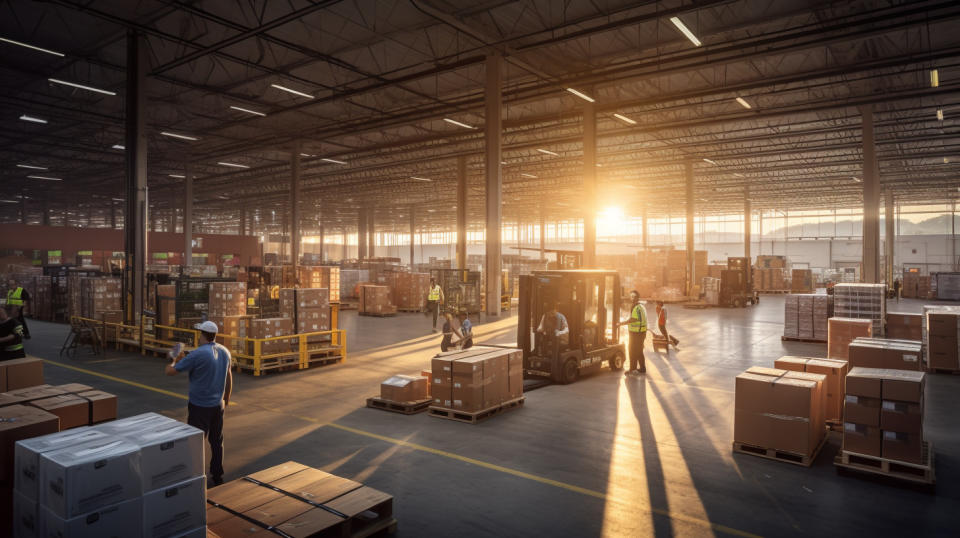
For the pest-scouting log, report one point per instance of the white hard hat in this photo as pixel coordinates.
(207, 327)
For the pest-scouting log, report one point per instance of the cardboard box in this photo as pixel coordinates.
(495, 377)
(87, 477)
(903, 386)
(943, 323)
(227, 299)
(468, 383)
(779, 409)
(879, 353)
(108, 521)
(842, 331)
(904, 326)
(866, 382)
(18, 422)
(862, 439)
(26, 518)
(29, 394)
(73, 388)
(515, 374)
(404, 388)
(862, 410)
(102, 405)
(72, 410)
(21, 373)
(904, 417)
(27, 456)
(903, 446)
(834, 370)
(175, 509)
(429, 375)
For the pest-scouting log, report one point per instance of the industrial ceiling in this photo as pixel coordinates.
(379, 93)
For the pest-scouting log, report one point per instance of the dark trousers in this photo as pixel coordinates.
(433, 307)
(670, 339)
(210, 420)
(637, 360)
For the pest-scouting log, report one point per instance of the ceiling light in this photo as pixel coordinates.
(9, 201)
(180, 136)
(625, 119)
(743, 102)
(118, 146)
(738, 174)
(178, 176)
(459, 123)
(307, 155)
(334, 161)
(248, 111)
(33, 119)
(548, 152)
(581, 95)
(420, 178)
(232, 165)
(45, 177)
(12, 42)
(858, 180)
(528, 175)
(32, 167)
(290, 90)
(940, 114)
(81, 86)
(934, 78)
(709, 161)
(686, 31)
(946, 160)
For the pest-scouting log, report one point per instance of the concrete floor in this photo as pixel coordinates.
(607, 456)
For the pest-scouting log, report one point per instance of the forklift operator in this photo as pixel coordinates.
(553, 331)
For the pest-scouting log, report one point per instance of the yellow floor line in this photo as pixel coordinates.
(450, 455)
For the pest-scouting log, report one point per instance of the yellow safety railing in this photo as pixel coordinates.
(262, 354)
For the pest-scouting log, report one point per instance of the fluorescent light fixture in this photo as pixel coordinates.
(709, 161)
(118, 146)
(581, 95)
(19, 44)
(459, 123)
(307, 155)
(625, 119)
(32, 167)
(934, 78)
(743, 102)
(248, 111)
(232, 165)
(33, 119)
(940, 114)
(45, 177)
(178, 176)
(334, 161)
(686, 31)
(737, 174)
(81, 86)
(548, 152)
(420, 178)
(528, 175)
(858, 180)
(291, 90)
(180, 136)
(118, 199)
(9, 201)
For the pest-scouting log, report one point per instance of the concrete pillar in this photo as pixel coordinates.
(494, 183)
(589, 186)
(188, 215)
(689, 226)
(413, 234)
(890, 239)
(135, 216)
(871, 201)
(747, 215)
(361, 234)
(295, 204)
(462, 211)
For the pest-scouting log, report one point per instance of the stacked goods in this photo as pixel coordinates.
(477, 379)
(283, 276)
(711, 290)
(349, 278)
(910, 285)
(889, 354)
(227, 299)
(842, 331)
(166, 306)
(805, 316)
(20, 373)
(771, 262)
(791, 316)
(17, 422)
(780, 409)
(410, 290)
(98, 295)
(941, 336)
(801, 281)
(948, 286)
(376, 300)
(295, 500)
(309, 308)
(321, 277)
(74, 404)
(904, 326)
(883, 414)
(835, 373)
(861, 301)
(405, 388)
(141, 476)
(269, 328)
(770, 279)
(676, 269)
(714, 269)
(925, 287)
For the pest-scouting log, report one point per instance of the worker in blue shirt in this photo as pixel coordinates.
(466, 330)
(554, 331)
(211, 383)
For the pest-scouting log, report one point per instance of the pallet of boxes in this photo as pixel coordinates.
(227, 307)
(404, 394)
(940, 330)
(476, 384)
(309, 310)
(375, 301)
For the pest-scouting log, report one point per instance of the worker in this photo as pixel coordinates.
(662, 325)
(449, 332)
(897, 287)
(637, 326)
(11, 336)
(211, 383)
(434, 300)
(466, 330)
(20, 300)
(553, 331)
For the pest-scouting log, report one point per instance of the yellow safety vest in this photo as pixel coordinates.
(434, 294)
(638, 317)
(19, 345)
(13, 297)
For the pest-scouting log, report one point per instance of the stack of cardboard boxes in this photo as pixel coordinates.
(269, 328)
(376, 300)
(835, 374)
(99, 295)
(409, 290)
(842, 331)
(141, 477)
(801, 281)
(780, 409)
(349, 279)
(883, 414)
(904, 326)
(805, 316)
(476, 379)
(881, 353)
(405, 388)
(321, 277)
(941, 336)
(309, 308)
(227, 307)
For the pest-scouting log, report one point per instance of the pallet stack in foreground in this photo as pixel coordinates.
(835, 375)
(477, 383)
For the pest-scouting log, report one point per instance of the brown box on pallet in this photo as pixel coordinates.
(515, 375)
(879, 353)
(468, 383)
(441, 381)
(229, 325)
(865, 382)
(904, 326)
(943, 323)
(862, 410)
(18, 422)
(269, 328)
(842, 331)
(73, 410)
(904, 417)
(779, 409)
(903, 386)
(429, 375)
(73, 388)
(404, 388)
(102, 405)
(902, 446)
(21, 373)
(29, 394)
(496, 370)
(835, 372)
(376, 300)
(943, 352)
(862, 439)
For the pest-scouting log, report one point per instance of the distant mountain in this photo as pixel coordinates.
(937, 225)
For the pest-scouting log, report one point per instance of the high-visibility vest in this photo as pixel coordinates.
(638, 319)
(13, 297)
(19, 345)
(434, 294)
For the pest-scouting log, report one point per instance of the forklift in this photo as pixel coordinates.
(736, 284)
(590, 300)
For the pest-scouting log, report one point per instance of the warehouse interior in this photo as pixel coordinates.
(325, 181)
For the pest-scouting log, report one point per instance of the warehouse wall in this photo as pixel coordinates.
(70, 240)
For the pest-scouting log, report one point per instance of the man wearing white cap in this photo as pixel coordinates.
(210, 385)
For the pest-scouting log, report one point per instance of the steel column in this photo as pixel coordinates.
(371, 232)
(543, 234)
(135, 216)
(747, 223)
(188, 214)
(462, 212)
(361, 234)
(589, 186)
(295, 204)
(413, 234)
(891, 239)
(243, 220)
(689, 226)
(871, 201)
(494, 183)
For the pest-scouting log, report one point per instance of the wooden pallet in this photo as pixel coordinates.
(414, 310)
(795, 339)
(378, 314)
(476, 416)
(404, 408)
(349, 306)
(919, 473)
(946, 371)
(779, 455)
